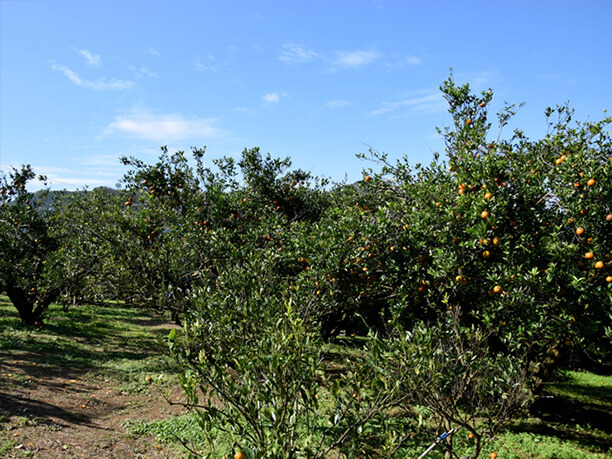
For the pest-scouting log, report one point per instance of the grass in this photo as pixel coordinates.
(120, 347)
(573, 419)
(105, 341)
(539, 437)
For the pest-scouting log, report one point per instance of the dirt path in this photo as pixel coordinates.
(52, 413)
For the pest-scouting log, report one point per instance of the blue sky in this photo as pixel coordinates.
(85, 82)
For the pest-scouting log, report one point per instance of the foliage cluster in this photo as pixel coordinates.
(455, 287)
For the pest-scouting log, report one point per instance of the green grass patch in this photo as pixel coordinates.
(177, 431)
(125, 345)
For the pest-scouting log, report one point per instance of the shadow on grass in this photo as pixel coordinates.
(588, 423)
(43, 412)
(84, 338)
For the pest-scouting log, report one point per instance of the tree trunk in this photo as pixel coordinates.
(25, 307)
(31, 312)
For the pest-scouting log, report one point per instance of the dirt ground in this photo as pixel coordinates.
(49, 411)
(57, 413)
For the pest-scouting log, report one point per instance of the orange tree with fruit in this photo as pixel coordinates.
(474, 276)
(503, 272)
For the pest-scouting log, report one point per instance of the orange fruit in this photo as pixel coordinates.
(609, 218)
(497, 289)
(486, 254)
(239, 455)
(591, 182)
(367, 178)
(488, 195)
(468, 122)
(484, 214)
(599, 264)
(588, 255)
(470, 435)
(493, 455)
(609, 279)
(495, 241)
(579, 231)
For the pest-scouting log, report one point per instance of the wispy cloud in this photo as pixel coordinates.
(429, 103)
(98, 160)
(294, 52)
(403, 61)
(93, 60)
(101, 84)
(141, 72)
(153, 52)
(66, 178)
(162, 127)
(480, 81)
(355, 58)
(273, 97)
(244, 110)
(344, 59)
(337, 103)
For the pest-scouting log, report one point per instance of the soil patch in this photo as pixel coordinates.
(64, 411)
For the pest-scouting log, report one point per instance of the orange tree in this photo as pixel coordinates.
(477, 275)
(50, 244)
(252, 336)
(504, 247)
(27, 247)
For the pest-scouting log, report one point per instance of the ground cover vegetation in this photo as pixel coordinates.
(352, 319)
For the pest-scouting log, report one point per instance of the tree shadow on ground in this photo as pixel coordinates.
(42, 412)
(570, 419)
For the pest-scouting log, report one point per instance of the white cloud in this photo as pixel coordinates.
(404, 61)
(337, 103)
(146, 73)
(99, 85)
(294, 52)
(480, 81)
(273, 97)
(98, 160)
(203, 67)
(165, 127)
(433, 102)
(93, 60)
(244, 110)
(357, 58)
